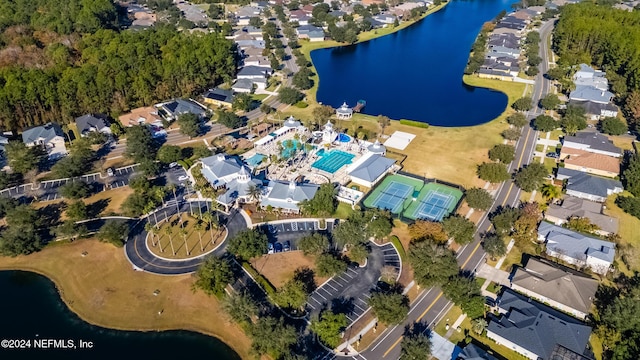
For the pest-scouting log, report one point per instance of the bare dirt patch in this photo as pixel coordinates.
(278, 268)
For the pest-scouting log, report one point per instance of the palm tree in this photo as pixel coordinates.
(149, 208)
(149, 229)
(184, 234)
(155, 230)
(479, 325)
(550, 192)
(169, 231)
(209, 220)
(198, 227)
(254, 192)
(159, 193)
(172, 188)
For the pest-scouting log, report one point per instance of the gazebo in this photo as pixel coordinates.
(377, 148)
(329, 135)
(344, 112)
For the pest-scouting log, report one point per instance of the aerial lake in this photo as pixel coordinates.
(32, 309)
(415, 73)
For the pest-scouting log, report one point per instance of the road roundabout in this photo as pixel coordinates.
(142, 258)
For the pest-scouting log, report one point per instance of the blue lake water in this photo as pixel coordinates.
(32, 309)
(415, 73)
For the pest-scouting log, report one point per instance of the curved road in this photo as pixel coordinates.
(142, 259)
(431, 304)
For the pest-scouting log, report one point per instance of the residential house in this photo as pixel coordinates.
(253, 31)
(260, 61)
(50, 137)
(577, 249)
(501, 31)
(594, 142)
(219, 97)
(558, 286)
(243, 86)
(523, 15)
(537, 331)
(144, 115)
(252, 51)
(574, 207)
(589, 162)
(497, 51)
(585, 186)
(385, 18)
(596, 111)
(506, 40)
(247, 43)
(494, 74)
(370, 169)
(93, 122)
(287, 196)
(192, 12)
(588, 76)
(497, 66)
(313, 33)
(590, 93)
(171, 110)
(254, 72)
(228, 172)
(308, 8)
(299, 16)
(510, 22)
(245, 13)
(474, 352)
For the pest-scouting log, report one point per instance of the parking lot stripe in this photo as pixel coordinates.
(356, 305)
(346, 282)
(350, 319)
(353, 271)
(313, 307)
(318, 293)
(314, 299)
(329, 285)
(367, 295)
(347, 275)
(327, 291)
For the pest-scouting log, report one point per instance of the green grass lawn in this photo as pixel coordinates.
(259, 97)
(628, 230)
(449, 318)
(556, 134)
(343, 210)
(539, 147)
(493, 287)
(550, 164)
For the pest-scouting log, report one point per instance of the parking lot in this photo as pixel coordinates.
(350, 291)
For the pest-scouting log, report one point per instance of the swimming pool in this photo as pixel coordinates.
(344, 138)
(332, 161)
(255, 160)
(289, 148)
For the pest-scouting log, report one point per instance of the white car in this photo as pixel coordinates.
(183, 178)
(172, 165)
(110, 172)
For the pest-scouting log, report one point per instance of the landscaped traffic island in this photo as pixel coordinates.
(184, 236)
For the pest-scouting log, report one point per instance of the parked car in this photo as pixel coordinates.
(278, 247)
(552, 155)
(270, 249)
(287, 245)
(110, 172)
(172, 165)
(183, 178)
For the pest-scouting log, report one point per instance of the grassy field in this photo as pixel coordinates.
(448, 319)
(104, 290)
(278, 268)
(628, 230)
(101, 204)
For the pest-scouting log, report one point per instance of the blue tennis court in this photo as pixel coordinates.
(393, 196)
(434, 206)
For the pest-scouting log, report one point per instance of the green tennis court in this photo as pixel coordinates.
(413, 198)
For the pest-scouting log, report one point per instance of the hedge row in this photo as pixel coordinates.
(419, 124)
(396, 242)
(261, 280)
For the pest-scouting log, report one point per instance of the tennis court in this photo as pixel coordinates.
(435, 202)
(393, 193)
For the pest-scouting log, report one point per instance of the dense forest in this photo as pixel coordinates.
(58, 69)
(605, 37)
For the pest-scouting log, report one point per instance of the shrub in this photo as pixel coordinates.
(419, 124)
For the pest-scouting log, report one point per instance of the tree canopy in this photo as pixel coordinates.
(390, 307)
(140, 144)
(313, 244)
(459, 228)
(531, 177)
(478, 199)
(517, 119)
(248, 244)
(493, 172)
(523, 104)
(323, 203)
(329, 327)
(432, 264)
(613, 126)
(503, 153)
(271, 336)
(289, 95)
(113, 232)
(189, 124)
(545, 123)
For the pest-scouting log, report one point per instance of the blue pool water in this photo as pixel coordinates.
(332, 161)
(344, 138)
(289, 148)
(255, 160)
(320, 152)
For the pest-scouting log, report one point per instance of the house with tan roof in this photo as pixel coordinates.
(143, 115)
(560, 287)
(589, 162)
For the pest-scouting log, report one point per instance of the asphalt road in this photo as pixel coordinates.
(142, 259)
(431, 304)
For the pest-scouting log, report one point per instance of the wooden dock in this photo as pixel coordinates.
(359, 106)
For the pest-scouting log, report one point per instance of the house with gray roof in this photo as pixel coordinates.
(590, 93)
(536, 330)
(585, 186)
(49, 136)
(313, 33)
(287, 196)
(474, 352)
(250, 43)
(228, 172)
(572, 207)
(497, 51)
(219, 97)
(592, 141)
(92, 122)
(171, 110)
(596, 111)
(243, 86)
(560, 287)
(370, 169)
(577, 249)
(254, 72)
